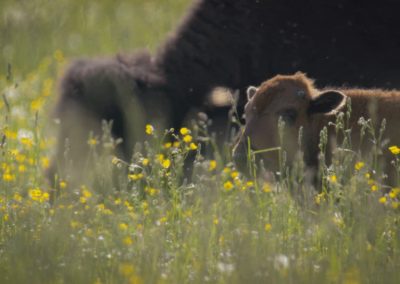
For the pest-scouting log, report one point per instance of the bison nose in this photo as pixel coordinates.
(240, 156)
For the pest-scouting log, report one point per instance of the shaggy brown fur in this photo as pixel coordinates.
(232, 44)
(295, 100)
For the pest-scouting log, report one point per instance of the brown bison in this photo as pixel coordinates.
(225, 43)
(294, 100)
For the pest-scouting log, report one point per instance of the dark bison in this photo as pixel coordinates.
(295, 100)
(231, 43)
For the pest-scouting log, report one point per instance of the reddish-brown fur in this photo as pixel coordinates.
(294, 96)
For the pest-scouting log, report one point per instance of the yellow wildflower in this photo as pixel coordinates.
(395, 191)
(359, 165)
(176, 144)
(101, 207)
(45, 197)
(135, 177)
(267, 227)
(374, 187)
(63, 184)
(117, 201)
(249, 184)
(128, 206)
(193, 146)
(188, 213)
(333, 178)
(215, 221)
(11, 135)
(8, 177)
(86, 193)
(17, 197)
(26, 141)
(166, 163)
(160, 158)
(74, 224)
(149, 129)
(126, 269)
(45, 162)
(234, 174)
(37, 194)
(394, 150)
(151, 191)
(92, 142)
(167, 145)
(123, 226)
(184, 131)
(213, 165)
(21, 168)
(163, 220)
(145, 162)
(20, 158)
(395, 204)
(383, 199)
(266, 187)
(319, 198)
(37, 104)
(145, 205)
(127, 241)
(226, 170)
(228, 186)
(187, 138)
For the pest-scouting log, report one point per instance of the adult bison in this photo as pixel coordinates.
(294, 100)
(232, 44)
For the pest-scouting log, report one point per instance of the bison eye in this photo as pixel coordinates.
(288, 116)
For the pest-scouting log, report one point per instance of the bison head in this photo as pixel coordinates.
(274, 114)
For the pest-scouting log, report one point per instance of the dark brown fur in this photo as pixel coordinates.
(232, 44)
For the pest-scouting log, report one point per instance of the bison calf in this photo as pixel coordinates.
(295, 100)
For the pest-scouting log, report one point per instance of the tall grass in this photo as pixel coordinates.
(143, 221)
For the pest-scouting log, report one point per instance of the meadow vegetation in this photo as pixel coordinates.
(145, 220)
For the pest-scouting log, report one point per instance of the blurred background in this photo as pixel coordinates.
(33, 29)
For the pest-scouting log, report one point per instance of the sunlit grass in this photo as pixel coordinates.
(145, 220)
(155, 225)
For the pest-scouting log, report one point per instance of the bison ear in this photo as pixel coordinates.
(251, 91)
(327, 101)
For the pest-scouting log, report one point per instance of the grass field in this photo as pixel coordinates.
(220, 227)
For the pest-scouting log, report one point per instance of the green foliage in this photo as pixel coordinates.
(142, 221)
(31, 30)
